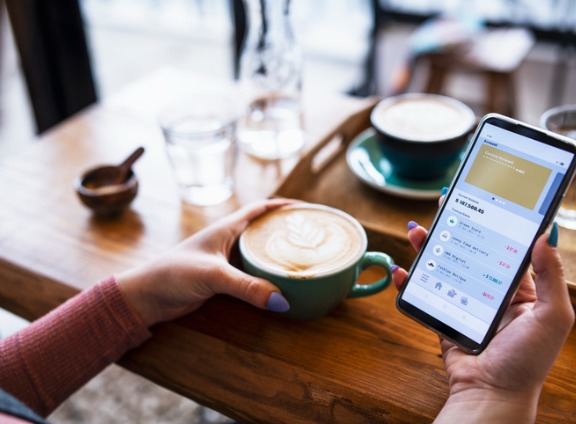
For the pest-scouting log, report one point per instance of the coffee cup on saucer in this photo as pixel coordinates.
(422, 135)
(562, 120)
(314, 254)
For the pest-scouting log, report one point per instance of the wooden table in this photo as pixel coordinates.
(363, 363)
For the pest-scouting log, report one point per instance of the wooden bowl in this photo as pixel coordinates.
(98, 191)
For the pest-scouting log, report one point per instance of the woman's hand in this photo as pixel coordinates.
(182, 279)
(504, 381)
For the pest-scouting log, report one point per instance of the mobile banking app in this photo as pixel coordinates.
(486, 229)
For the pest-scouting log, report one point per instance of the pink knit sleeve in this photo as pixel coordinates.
(53, 357)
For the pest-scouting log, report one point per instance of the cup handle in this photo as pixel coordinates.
(369, 259)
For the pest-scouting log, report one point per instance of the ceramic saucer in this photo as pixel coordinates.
(367, 162)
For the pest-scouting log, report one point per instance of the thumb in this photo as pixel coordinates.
(239, 220)
(551, 287)
(256, 291)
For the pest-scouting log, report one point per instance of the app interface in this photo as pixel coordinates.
(486, 229)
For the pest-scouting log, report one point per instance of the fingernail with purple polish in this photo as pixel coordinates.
(412, 225)
(393, 269)
(277, 303)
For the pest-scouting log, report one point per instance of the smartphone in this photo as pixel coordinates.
(505, 193)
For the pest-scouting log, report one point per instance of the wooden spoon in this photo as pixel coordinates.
(124, 167)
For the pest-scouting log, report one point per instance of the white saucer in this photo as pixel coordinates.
(367, 162)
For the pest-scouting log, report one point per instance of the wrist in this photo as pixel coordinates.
(490, 405)
(134, 290)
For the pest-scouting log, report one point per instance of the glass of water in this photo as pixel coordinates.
(200, 136)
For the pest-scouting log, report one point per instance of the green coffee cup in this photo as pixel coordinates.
(314, 254)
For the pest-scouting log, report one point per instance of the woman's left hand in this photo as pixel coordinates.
(182, 279)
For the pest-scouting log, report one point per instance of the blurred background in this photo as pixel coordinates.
(361, 44)
(366, 47)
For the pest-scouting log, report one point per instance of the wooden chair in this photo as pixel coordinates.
(54, 56)
(494, 55)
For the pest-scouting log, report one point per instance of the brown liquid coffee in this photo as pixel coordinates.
(303, 242)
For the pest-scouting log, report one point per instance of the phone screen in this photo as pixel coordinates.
(505, 193)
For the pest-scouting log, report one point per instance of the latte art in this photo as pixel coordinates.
(307, 242)
(302, 232)
(303, 242)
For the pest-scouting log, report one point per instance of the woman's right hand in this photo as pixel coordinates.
(503, 383)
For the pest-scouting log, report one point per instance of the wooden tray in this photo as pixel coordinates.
(323, 176)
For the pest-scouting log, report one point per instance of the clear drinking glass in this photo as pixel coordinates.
(271, 80)
(562, 120)
(200, 136)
